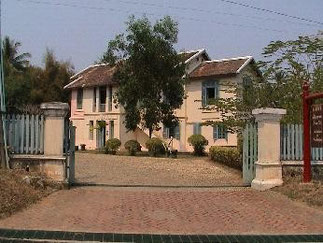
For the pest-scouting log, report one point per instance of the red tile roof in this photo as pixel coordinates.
(102, 74)
(225, 67)
(95, 75)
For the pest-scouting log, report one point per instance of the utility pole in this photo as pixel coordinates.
(4, 158)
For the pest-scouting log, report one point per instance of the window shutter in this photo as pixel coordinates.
(217, 89)
(215, 132)
(165, 132)
(194, 129)
(204, 98)
(177, 132)
(225, 130)
(199, 128)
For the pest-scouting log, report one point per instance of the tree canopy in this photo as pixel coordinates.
(285, 66)
(28, 85)
(149, 72)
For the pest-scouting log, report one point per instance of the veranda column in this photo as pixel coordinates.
(55, 113)
(268, 166)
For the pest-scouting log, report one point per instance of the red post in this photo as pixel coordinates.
(307, 143)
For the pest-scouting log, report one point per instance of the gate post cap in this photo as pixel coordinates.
(55, 109)
(269, 114)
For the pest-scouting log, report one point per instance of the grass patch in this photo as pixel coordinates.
(311, 194)
(19, 189)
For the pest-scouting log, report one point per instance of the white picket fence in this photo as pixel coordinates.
(25, 133)
(291, 144)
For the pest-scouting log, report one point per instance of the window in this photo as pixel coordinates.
(220, 132)
(197, 128)
(110, 98)
(94, 100)
(79, 99)
(102, 98)
(111, 129)
(210, 92)
(174, 132)
(246, 81)
(91, 129)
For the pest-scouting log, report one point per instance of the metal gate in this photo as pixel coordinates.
(250, 152)
(69, 149)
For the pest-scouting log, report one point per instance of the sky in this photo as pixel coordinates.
(79, 30)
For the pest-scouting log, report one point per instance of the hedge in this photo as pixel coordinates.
(155, 147)
(228, 156)
(112, 145)
(133, 146)
(198, 142)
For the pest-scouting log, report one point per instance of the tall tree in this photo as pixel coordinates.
(149, 72)
(54, 76)
(286, 65)
(11, 54)
(27, 85)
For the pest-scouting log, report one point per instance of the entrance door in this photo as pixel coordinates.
(101, 134)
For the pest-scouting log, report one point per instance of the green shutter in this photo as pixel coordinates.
(215, 132)
(165, 132)
(177, 132)
(217, 89)
(204, 98)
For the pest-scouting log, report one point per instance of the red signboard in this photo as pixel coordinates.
(317, 125)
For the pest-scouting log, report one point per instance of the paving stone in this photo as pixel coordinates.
(167, 211)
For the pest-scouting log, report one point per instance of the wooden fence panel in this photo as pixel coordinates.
(25, 133)
(292, 144)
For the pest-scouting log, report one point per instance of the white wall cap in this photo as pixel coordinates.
(269, 111)
(55, 109)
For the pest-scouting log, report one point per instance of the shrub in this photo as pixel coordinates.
(112, 145)
(227, 156)
(198, 142)
(132, 146)
(155, 147)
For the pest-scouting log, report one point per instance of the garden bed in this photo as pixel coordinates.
(310, 193)
(19, 189)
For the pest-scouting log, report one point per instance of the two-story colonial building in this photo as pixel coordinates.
(97, 118)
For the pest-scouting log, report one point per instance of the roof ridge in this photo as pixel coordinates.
(229, 59)
(198, 52)
(190, 51)
(88, 67)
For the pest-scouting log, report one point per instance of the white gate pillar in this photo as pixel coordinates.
(268, 166)
(55, 113)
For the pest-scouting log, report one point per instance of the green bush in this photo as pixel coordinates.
(112, 145)
(198, 142)
(227, 156)
(155, 147)
(132, 146)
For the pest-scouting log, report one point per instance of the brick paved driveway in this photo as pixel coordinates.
(130, 170)
(156, 210)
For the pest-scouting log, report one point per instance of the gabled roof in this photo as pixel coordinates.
(94, 75)
(102, 74)
(223, 67)
(187, 56)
